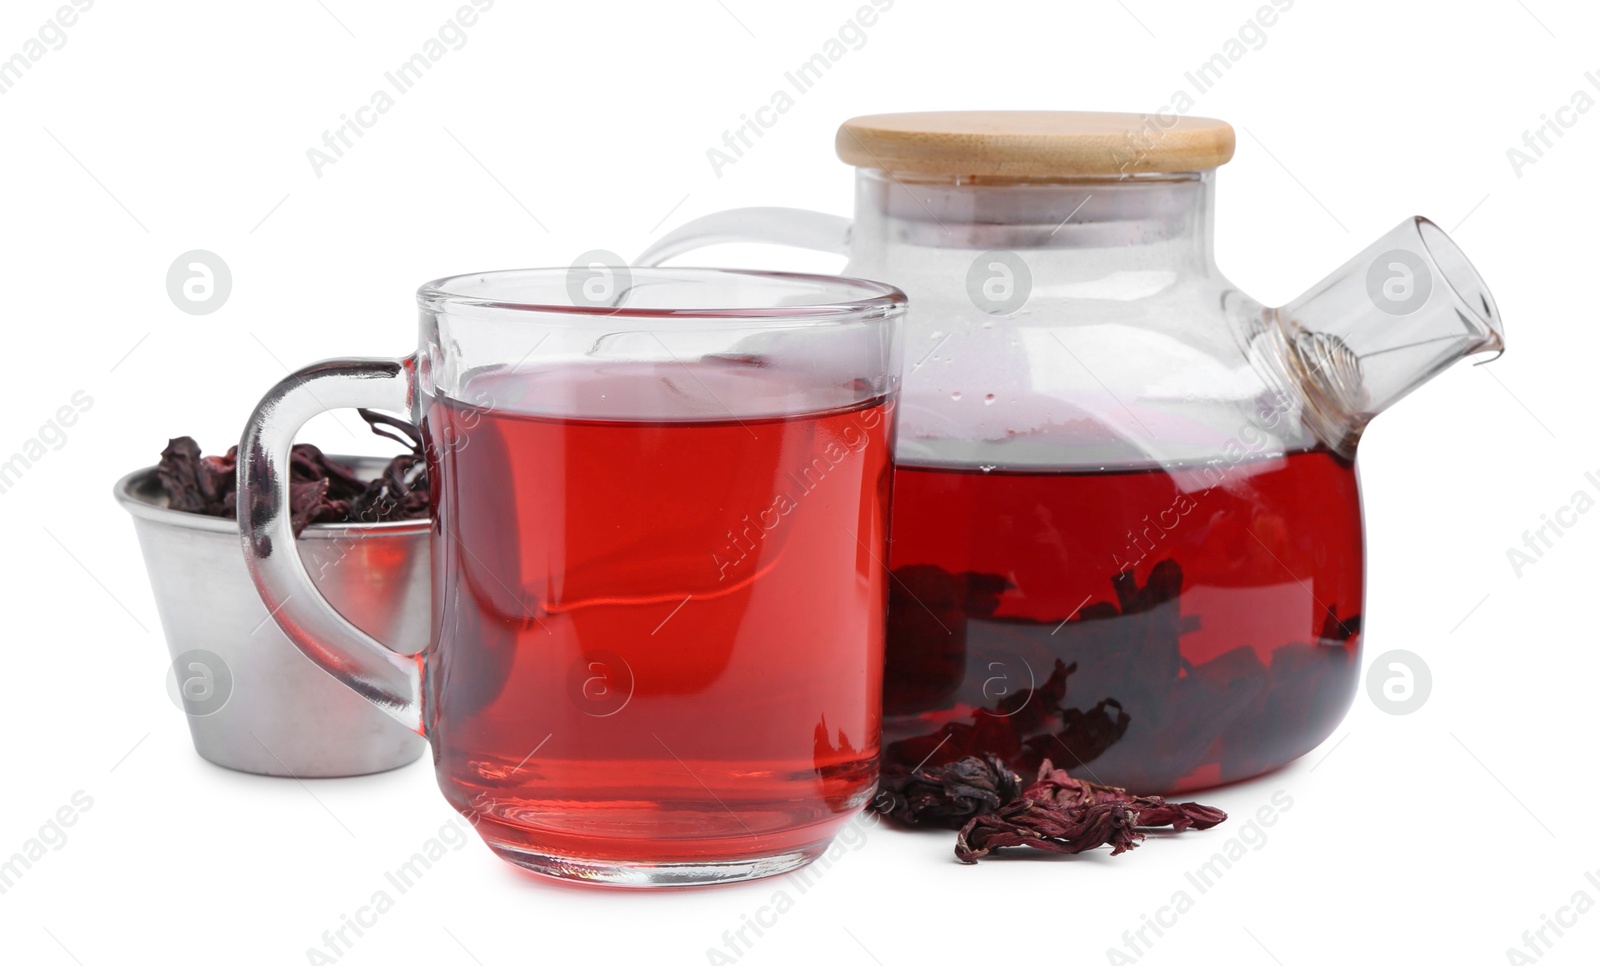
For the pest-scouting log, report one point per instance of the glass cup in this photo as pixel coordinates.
(660, 506)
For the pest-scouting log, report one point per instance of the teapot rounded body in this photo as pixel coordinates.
(1115, 543)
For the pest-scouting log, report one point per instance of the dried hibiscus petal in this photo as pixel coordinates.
(195, 484)
(1041, 825)
(1059, 813)
(1180, 816)
(1058, 788)
(308, 502)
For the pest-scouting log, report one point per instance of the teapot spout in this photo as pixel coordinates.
(1393, 317)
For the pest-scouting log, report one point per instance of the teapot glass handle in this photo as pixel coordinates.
(387, 678)
(794, 227)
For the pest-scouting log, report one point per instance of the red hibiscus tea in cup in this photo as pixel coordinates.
(655, 637)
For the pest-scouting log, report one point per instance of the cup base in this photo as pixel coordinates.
(649, 875)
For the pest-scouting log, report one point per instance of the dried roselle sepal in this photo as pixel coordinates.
(308, 464)
(399, 493)
(1059, 813)
(308, 503)
(192, 483)
(947, 796)
(1055, 786)
(1040, 825)
(1179, 816)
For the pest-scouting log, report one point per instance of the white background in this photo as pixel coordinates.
(164, 127)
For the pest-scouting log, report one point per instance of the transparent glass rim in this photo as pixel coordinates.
(794, 298)
(1457, 272)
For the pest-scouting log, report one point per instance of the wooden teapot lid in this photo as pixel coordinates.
(1034, 144)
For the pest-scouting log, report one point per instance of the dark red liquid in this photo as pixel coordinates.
(657, 641)
(1158, 631)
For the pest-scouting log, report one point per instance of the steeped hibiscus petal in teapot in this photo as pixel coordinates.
(1127, 529)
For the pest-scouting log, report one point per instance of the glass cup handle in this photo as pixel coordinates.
(390, 680)
(794, 227)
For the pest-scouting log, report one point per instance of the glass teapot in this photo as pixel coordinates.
(1126, 532)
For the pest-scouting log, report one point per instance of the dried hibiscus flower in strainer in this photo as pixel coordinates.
(321, 489)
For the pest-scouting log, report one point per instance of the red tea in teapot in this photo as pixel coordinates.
(656, 637)
(1144, 628)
